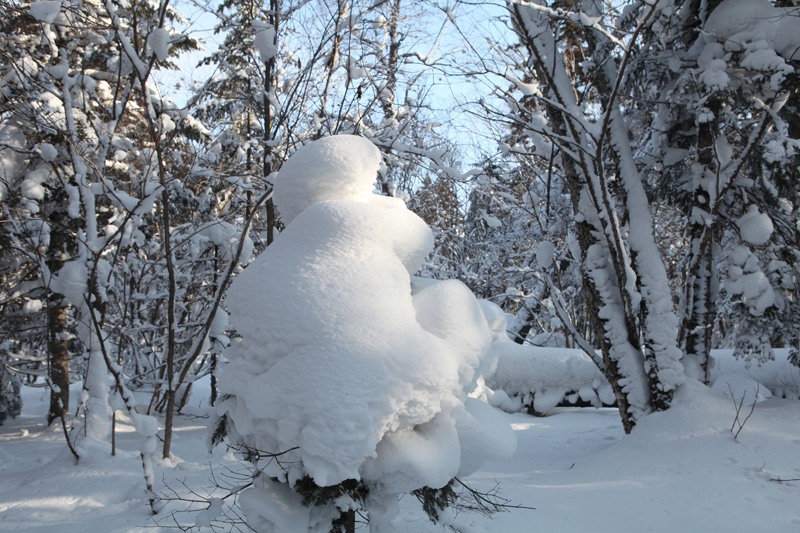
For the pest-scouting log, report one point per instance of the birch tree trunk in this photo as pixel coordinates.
(625, 281)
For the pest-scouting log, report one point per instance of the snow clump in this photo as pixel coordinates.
(158, 41)
(748, 280)
(333, 169)
(345, 365)
(542, 378)
(545, 253)
(755, 227)
(737, 22)
(264, 40)
(45, 11)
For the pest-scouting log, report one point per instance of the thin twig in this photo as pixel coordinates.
(738, 408)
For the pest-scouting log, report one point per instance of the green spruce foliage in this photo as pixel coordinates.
(434, 501)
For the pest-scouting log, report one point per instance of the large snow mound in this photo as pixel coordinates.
(339, 361)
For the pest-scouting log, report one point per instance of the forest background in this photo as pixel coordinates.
(619, 177)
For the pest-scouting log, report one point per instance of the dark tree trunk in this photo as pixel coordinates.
(350, 521)
(57, 317)
(58, 356)
(700, 306)
(522, 334)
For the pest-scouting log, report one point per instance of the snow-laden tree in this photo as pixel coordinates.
(295, 71)
(437, 202)
(725, 155)
(625, 283)
(115, 177)
(517, 237)
(703, 127)
(41, 233)
(247, 105)
(349, 384)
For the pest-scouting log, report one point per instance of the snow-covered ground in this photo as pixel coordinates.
(679, 471)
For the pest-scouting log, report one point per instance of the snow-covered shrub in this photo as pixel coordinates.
(357, 376)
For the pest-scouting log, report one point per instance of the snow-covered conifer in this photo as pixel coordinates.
(349, 383)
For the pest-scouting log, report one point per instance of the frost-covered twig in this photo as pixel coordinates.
(215, 510)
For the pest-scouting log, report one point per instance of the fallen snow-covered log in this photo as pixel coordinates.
(543, 378)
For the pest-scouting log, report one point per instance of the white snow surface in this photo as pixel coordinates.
(72, 282)
(745, 277)
(341, 356)
(545, 252)
(679, 471)
(32, 306)
(546, 377)
(741, 389)
(777, 377)
(11, 161)
(48, 152)
(226, 236)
